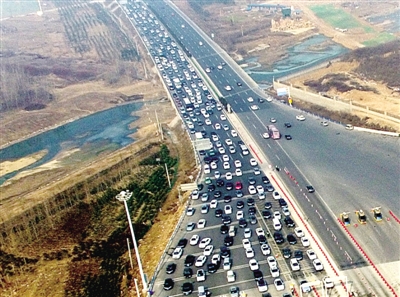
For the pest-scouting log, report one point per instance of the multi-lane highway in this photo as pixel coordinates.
(349, 170)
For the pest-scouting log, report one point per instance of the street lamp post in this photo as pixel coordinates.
(125, 196)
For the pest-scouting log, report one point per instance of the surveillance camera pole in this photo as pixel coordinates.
(125, 196)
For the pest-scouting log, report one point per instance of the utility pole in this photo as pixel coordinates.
(166, 170)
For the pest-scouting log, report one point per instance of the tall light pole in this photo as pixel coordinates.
(125, 196)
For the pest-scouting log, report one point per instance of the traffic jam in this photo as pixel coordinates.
(238, 234)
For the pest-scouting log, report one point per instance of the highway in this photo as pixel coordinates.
(349, 170)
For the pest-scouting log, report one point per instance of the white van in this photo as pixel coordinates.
(202, 291)
(232, 231)
(277, 224)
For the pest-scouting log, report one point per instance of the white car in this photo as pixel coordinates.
(328, 282)
(299, 233)
(204, 209)
(279, 284)
(274, 271)
(216, 259)
(257, 171)
(221, 150)
(204, 197)
(208, 250)
(218, 144)
(213, 165)
(228, 141)
(261, 196)
(177, 253)
(190, 211)
(204, 242)
(276, 195)
(194, 240)
(195, 193)
(200, 261)
(201, 275)
(260, 189)
(201, 224)
(262, 285)
(247, 233)
(238, 172)
(208, 122)
(228, 176)
(265, 135)
(305, 242)
(294, 264)
(228, 88)
(227, 264)
(253, 264)
(230, 276)
(246, 243)
(254, 107)
(300, 117)
(225, 127)
(272, 120)
(226, 165)
(217, 174)
(234, 133)
(318, 265)
(228, 209)
(311, 254)
(272, 262)
(324, 123)
(265, 249)
(232, 149)
(238, 163)
(249, 253)
(269, 99)
(286, 211)
(239, 215)
(214, 203)
(277, 215)
(225, 158)
(252, 190)
(217, 126)
(260, 231)
(222, 117)
(250, 99)
(253, 162)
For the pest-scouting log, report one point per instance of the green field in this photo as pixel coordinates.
(338, 18)
(379, 39)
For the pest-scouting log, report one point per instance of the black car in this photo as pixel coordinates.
(288, 125)
(224, 252)
(189, 260)
(268, 205)
(269, 188)
(218, 212)
(310, 189)
(252, 180)
(265, 180)
(204, 133)
(253, 219)
(239, 204)
(278, 237)
(257, 274)
(171, 267)
(291, 239)
(227, 198)
(287, 253)
(187, 272)
(288, 137)
(266, 214)
(289, 222)
(217, 194)
(226, 220)
(282, 202)
(168, 284)
(207, 160)
(242, 223)
(212, 268)
(229, 186)
(298, 255)
(211, 188)
(220, 182)
(202, 152)
(252, 210)
(182, 242)
(228, 240)
(262, 239)
(224, 229)
(187, 288)
(250, 202)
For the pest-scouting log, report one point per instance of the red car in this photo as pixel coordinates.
(238, 185)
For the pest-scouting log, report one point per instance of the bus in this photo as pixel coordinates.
(274, 132)
(189, 105)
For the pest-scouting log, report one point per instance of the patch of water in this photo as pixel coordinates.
(106, 127)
